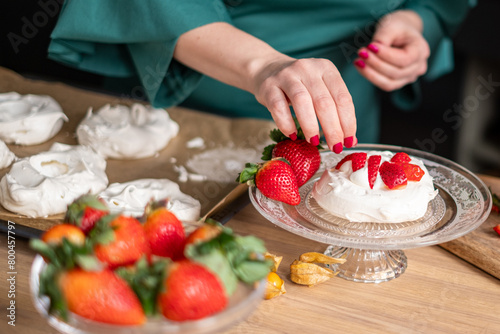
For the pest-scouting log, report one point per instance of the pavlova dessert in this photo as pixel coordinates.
(376, 187)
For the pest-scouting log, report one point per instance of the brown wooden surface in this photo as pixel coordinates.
(481, 247)
(438, 293)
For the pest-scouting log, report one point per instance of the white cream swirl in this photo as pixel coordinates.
(131, 198)
(121, 132)
(29, 119)
(44, 184)
(347, 194)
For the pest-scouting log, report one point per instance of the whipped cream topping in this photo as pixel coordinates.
(121, 132)
(131, 198)
(6, 156)
(348, 195)
(29, 119)
(44, 184)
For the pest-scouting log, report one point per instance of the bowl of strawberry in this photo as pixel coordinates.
(98, 272)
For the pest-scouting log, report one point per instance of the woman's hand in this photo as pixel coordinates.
(313, 87)
(398, 54)
(316, 91)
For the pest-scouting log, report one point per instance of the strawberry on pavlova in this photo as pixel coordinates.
(376, 187)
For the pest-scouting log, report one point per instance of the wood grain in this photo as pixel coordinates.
(438, 293)
(481, 247)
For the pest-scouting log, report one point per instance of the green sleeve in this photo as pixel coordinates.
(441, 19)
(133, 38)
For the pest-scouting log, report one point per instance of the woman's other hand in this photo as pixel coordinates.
(398, 54)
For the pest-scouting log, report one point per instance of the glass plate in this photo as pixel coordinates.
(241, 304)
(463, 203)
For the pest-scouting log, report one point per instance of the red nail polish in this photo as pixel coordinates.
(373, 48)
(363, 54)
(293, 136)
(337, 148)
(360, 63)
(314, 140)
(349, 141)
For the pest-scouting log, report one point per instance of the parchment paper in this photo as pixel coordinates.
(215, 130)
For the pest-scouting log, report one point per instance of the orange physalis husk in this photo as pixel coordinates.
(276, 260)
(275, 286)
(314, 257)
(309, 273)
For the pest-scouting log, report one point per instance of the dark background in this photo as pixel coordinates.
(477, 41)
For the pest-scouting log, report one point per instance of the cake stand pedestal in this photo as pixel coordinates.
(374, 251)
(368, 265)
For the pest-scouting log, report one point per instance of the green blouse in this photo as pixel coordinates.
(133, 41)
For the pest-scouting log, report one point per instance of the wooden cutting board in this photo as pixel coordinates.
(481, 247)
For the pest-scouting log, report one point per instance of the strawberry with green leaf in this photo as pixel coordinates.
(83, 292)
(119, 240)
(191, 292)
(275, 179)
(303, 157)
(85, 212)
(233, 258)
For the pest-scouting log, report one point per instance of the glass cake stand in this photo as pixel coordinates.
(374, 251)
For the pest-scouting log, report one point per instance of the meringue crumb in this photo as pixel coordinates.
(184, 175)
(196, 142)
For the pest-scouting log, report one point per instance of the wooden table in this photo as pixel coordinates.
(438, 293)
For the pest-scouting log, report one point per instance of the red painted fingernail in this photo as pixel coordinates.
(360, 63)
(373, 48)
(314, 140)
(293, 136)
(337, 148)
(355, 141)
(363, 54)
(349, 141)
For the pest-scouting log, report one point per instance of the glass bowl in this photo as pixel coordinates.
(241, 304)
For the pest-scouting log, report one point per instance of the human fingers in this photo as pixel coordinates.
(380, 80)
(344, 114)
(277, 104)
(413, 50)
(413, 70)
(303, 106)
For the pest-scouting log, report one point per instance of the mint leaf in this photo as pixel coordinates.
(252, 271)
(216, 261)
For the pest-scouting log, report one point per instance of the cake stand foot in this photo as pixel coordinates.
(368, 265)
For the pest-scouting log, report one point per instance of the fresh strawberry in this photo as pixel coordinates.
(205, 232)
(164, 231)
(303, 157)
(85, 212)
(497, 229)
(401, 157)
(393, 175)
(413, 172)
(496, 202)
(55, 234)
(191, 292)
(101, 296)
(373, 167)
(121, 240)
(358, 160)
(275, 179)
